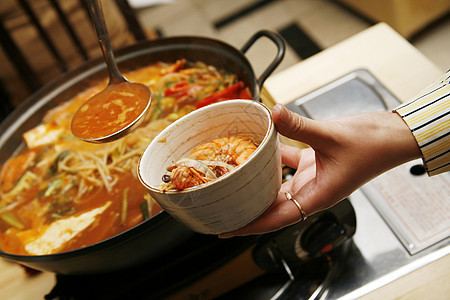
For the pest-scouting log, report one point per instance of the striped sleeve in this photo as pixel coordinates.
(428, 117)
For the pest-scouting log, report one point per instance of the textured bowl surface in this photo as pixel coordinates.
(234, 199)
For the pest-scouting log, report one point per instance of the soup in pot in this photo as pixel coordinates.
(59, 193)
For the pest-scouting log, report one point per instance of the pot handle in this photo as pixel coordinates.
(279, 41)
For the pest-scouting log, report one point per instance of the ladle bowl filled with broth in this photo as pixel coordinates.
(71, 207)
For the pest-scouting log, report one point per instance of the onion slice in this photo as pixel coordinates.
(218, 163)
(193, 163)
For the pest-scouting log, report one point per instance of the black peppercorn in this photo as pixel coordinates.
(166, 178)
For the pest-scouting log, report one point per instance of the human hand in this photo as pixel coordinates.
(344, 154)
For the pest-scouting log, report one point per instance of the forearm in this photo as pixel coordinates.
(367, 145)
(385, 136)
(428, 117)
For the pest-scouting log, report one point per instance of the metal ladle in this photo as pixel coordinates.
(85, 116)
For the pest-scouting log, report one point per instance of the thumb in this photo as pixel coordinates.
(299, 128)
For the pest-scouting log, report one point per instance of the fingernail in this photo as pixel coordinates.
(277, 107)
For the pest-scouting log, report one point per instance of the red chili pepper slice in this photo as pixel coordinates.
(177, 89)
(231, 92)
(245, 94)
(178, 65)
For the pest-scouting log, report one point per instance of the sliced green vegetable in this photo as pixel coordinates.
(12, 220)
(118, 151)
(54, 167)
(169, 83)
(23, 183)
(123, 216)
(52, 186)
(157, 98)
(192, 78)
(67, 137)
(144, 210)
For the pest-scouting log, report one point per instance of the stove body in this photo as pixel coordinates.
(403, 216)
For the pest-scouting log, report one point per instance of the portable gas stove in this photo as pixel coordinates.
(403, 215)
(325, 257)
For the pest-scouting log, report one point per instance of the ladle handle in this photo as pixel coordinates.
(95, 9)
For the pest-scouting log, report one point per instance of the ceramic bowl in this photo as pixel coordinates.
(234, 199)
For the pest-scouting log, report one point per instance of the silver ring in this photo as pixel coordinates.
(302, 212)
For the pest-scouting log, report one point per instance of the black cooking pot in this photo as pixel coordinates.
(161, 233)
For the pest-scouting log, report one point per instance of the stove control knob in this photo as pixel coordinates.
(323, 235)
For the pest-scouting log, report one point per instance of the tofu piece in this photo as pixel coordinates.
(62, 231)
(44, 134)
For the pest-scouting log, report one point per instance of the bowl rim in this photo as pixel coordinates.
(264, 141)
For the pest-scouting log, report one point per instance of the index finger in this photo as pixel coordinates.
(290, 156)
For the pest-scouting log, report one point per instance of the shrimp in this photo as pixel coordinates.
(186, 177)
(208, 162)
(231, 150)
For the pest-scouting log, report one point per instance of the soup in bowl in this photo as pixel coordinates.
(216, 169)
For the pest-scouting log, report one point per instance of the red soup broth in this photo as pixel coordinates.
(60, 193)
(110, 111)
